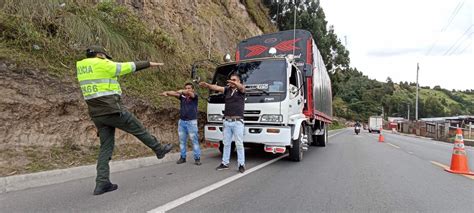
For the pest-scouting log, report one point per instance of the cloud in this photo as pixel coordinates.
(388, 39)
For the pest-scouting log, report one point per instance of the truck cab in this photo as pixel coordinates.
(274, 101)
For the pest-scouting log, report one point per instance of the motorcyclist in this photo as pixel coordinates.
(357, 126)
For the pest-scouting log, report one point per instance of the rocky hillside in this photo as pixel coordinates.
(45, 124)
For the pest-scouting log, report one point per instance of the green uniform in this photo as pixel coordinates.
(98, 79)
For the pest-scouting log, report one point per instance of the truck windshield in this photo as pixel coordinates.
(265, 81)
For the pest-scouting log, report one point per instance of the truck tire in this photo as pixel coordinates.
(322, 140)
(221, 147)
(296, 152)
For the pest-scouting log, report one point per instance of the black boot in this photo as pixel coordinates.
(161, 152)
(197, 161)
(105, 188)
(181, 160)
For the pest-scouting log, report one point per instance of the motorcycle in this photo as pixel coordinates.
(357, 130)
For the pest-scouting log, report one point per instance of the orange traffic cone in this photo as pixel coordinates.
(459, 163)
(381, 139)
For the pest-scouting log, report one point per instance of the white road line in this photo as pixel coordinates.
(182, 200)
(447, 167)
(393, 145)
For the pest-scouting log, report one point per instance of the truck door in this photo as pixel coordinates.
(296, 92)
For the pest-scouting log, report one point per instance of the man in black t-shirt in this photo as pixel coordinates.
(187, 124)
(234, 98)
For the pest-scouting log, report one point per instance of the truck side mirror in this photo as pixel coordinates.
(308, 70)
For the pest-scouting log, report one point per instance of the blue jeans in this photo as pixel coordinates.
(190, 128)
(233, 130)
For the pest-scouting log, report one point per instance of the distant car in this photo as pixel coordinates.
(365, 127)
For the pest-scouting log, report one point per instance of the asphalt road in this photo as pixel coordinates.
(354, 173)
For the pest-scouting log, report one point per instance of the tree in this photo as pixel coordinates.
(433, 107)
(389, 86)
(455, 109)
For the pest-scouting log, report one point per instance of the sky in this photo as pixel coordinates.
(387, 38)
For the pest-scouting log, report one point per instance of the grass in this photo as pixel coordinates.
(425, 93)
(259, 14)
(55, 37)
(461, 99)
(336, 125)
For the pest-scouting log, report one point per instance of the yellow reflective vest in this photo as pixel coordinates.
(98, 77)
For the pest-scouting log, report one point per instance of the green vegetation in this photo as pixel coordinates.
(54, 35)
(336, 125)
(258, 13)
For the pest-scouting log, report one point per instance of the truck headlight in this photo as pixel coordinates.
(271, 118)
(214, 117)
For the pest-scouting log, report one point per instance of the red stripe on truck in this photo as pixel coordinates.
(309, 88)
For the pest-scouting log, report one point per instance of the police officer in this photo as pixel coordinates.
(98, 78)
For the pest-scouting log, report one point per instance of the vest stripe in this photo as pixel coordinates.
(98, 81)
(119, 69)
(100, 94)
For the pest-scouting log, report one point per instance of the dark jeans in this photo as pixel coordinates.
(106, 125)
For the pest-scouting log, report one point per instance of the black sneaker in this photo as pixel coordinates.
(181, 160)
(241, 169)
(106, 188)
(161, 152)
(222, 167)
(197, 161)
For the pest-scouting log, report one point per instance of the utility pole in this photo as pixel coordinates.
(416, 106)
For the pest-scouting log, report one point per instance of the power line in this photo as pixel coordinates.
(455, 43)
(465, 48)
(460, 44)
(454, 13)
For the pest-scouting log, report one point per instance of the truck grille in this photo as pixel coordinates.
(249, 112)
(252, 112)
(251, 118)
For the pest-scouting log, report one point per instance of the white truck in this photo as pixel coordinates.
(288, 103)
(375, 123)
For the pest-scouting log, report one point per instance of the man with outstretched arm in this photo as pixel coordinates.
(187, 124)
(98, 78)
(234, 98)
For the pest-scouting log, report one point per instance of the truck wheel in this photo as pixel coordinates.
(221, 147)
(323, 139)
(296, 152)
